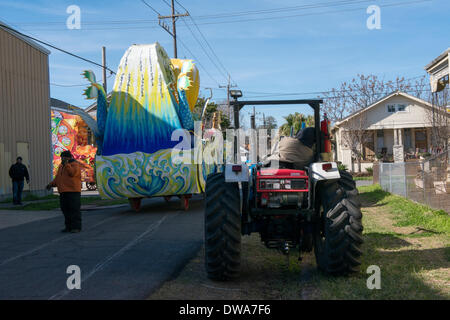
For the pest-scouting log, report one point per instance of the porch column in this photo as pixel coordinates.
(413, 139)
(397, 149)
(375, 142)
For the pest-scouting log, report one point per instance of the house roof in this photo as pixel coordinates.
(56, 103)
(63, 106)
(93, 106)
(392, 94)
(17, 34)
(438, 59)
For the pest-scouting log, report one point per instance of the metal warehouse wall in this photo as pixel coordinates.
(24, 112)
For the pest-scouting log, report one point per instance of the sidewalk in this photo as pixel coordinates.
(360, 183)
(11, 218)
(8, 205)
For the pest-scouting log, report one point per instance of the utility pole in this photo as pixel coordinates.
(252, 119)
(172, 32)
(228, 86)
(174, 29)
(104, 70)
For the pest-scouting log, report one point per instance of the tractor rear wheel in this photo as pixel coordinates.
(338, 233)
(222, 228)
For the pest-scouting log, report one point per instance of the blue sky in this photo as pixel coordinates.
(311, 50)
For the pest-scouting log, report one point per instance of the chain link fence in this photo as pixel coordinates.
(424, 181)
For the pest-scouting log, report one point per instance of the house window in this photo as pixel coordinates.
(391, 108)
(401, 107)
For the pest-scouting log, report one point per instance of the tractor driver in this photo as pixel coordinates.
(295, 153)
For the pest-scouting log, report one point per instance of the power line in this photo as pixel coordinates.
(283, 9)
(232, 15)
(207, 42)
(209, 57)
(67, 85)
(173, 34)
(204, 50)
(334, 97)
(198, 61)
(314, 13)
(150, 7)
(194, 35)
(214, 16)
(198, 41)
(54, 47)
(325, 92)
(167, 3)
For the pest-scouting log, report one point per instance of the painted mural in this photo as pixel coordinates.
(69, 132)
(152, 97)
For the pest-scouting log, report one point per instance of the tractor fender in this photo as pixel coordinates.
(318, 172)
(319, 176)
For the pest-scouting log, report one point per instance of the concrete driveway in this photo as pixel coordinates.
(121, 254)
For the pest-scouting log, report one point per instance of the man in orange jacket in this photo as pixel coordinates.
(68, 182)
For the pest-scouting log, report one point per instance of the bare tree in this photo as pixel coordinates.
(361, 92)
(440, 119)
(355, 136)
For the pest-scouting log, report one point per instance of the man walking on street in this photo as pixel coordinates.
(18, 172)
(68, 182)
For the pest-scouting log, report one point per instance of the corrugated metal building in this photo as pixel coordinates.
(24, 111)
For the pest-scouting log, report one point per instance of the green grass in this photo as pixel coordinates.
(362, 178)
(413, 265)
(32, 197)
(407, 212)
(52, 204)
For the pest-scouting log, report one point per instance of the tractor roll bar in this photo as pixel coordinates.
(313, 103)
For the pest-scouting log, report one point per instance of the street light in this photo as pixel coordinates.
(235, 94)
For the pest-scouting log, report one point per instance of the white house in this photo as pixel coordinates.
(439, 71)
(395, 127)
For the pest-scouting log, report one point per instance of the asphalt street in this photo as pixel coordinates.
(121, 254)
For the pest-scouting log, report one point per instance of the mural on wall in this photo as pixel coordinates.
(69, 132)
(152, 97)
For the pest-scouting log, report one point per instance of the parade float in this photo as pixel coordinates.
(70, 133)
(149, 115)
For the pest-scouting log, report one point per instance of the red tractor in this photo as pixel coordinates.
(314, 208)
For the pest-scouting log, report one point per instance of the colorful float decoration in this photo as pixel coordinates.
(153, 97)
(70, 132)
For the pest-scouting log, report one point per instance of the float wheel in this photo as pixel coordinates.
(135, 204)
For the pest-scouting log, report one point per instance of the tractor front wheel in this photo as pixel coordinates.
(222, 228)
(338, 232)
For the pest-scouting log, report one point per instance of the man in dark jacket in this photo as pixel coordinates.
(68, 182)
(18, 172)
(294, 153)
